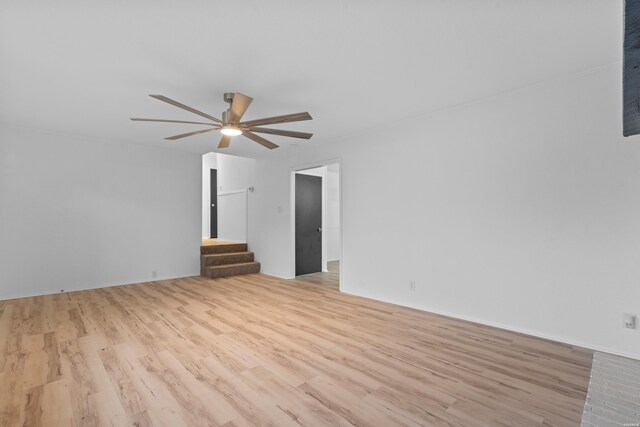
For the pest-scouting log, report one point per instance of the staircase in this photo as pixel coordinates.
(225, 259)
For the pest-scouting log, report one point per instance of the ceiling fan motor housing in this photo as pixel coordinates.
(228, 98)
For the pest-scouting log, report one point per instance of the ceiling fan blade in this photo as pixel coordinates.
(296, 117)
(239, 106)
(292, 134)
(184, 135)
(135, 119)
(224, 142)
(185, 107)
(260, 140)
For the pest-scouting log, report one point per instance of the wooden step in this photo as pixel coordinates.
(230, 258)
(210, 260)
(218, 271)
(223, 248)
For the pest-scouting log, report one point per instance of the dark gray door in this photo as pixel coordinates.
(214, 204)
(308, 224)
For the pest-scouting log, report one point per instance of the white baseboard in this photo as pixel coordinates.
(531, 332)
(98, 286)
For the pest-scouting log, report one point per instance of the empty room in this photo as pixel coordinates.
(296, 213)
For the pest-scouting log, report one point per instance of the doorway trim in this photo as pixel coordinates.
(213, 204)
(292, 211)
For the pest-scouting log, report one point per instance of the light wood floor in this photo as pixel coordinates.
(255, 350)
(330, 278)
(216, 242)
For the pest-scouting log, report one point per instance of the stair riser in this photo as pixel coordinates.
(221, 271)
(223, 259)
(223, 249)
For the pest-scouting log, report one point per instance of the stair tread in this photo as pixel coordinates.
(218, 261)
(239, 264)
(227, 254)
(223, 249)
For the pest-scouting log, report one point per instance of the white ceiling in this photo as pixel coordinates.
(83, 67)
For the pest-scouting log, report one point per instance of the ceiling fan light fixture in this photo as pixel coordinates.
(230, 131)
(232, 125)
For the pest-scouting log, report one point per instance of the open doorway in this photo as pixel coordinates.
(226, 183)
(316, 223)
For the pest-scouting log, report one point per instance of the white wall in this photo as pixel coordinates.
(522, 211)
(235, 175)
(333, 212)
(78, 213)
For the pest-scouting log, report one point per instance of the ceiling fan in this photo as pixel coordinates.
(230, 125)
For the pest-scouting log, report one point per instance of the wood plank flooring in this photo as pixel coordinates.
(256, 350)
(215, 242)
(331, 278)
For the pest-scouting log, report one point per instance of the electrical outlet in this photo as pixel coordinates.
(412, 286)
(629, 321)
(154, 274)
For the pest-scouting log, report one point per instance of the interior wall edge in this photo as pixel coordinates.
(94, 140)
